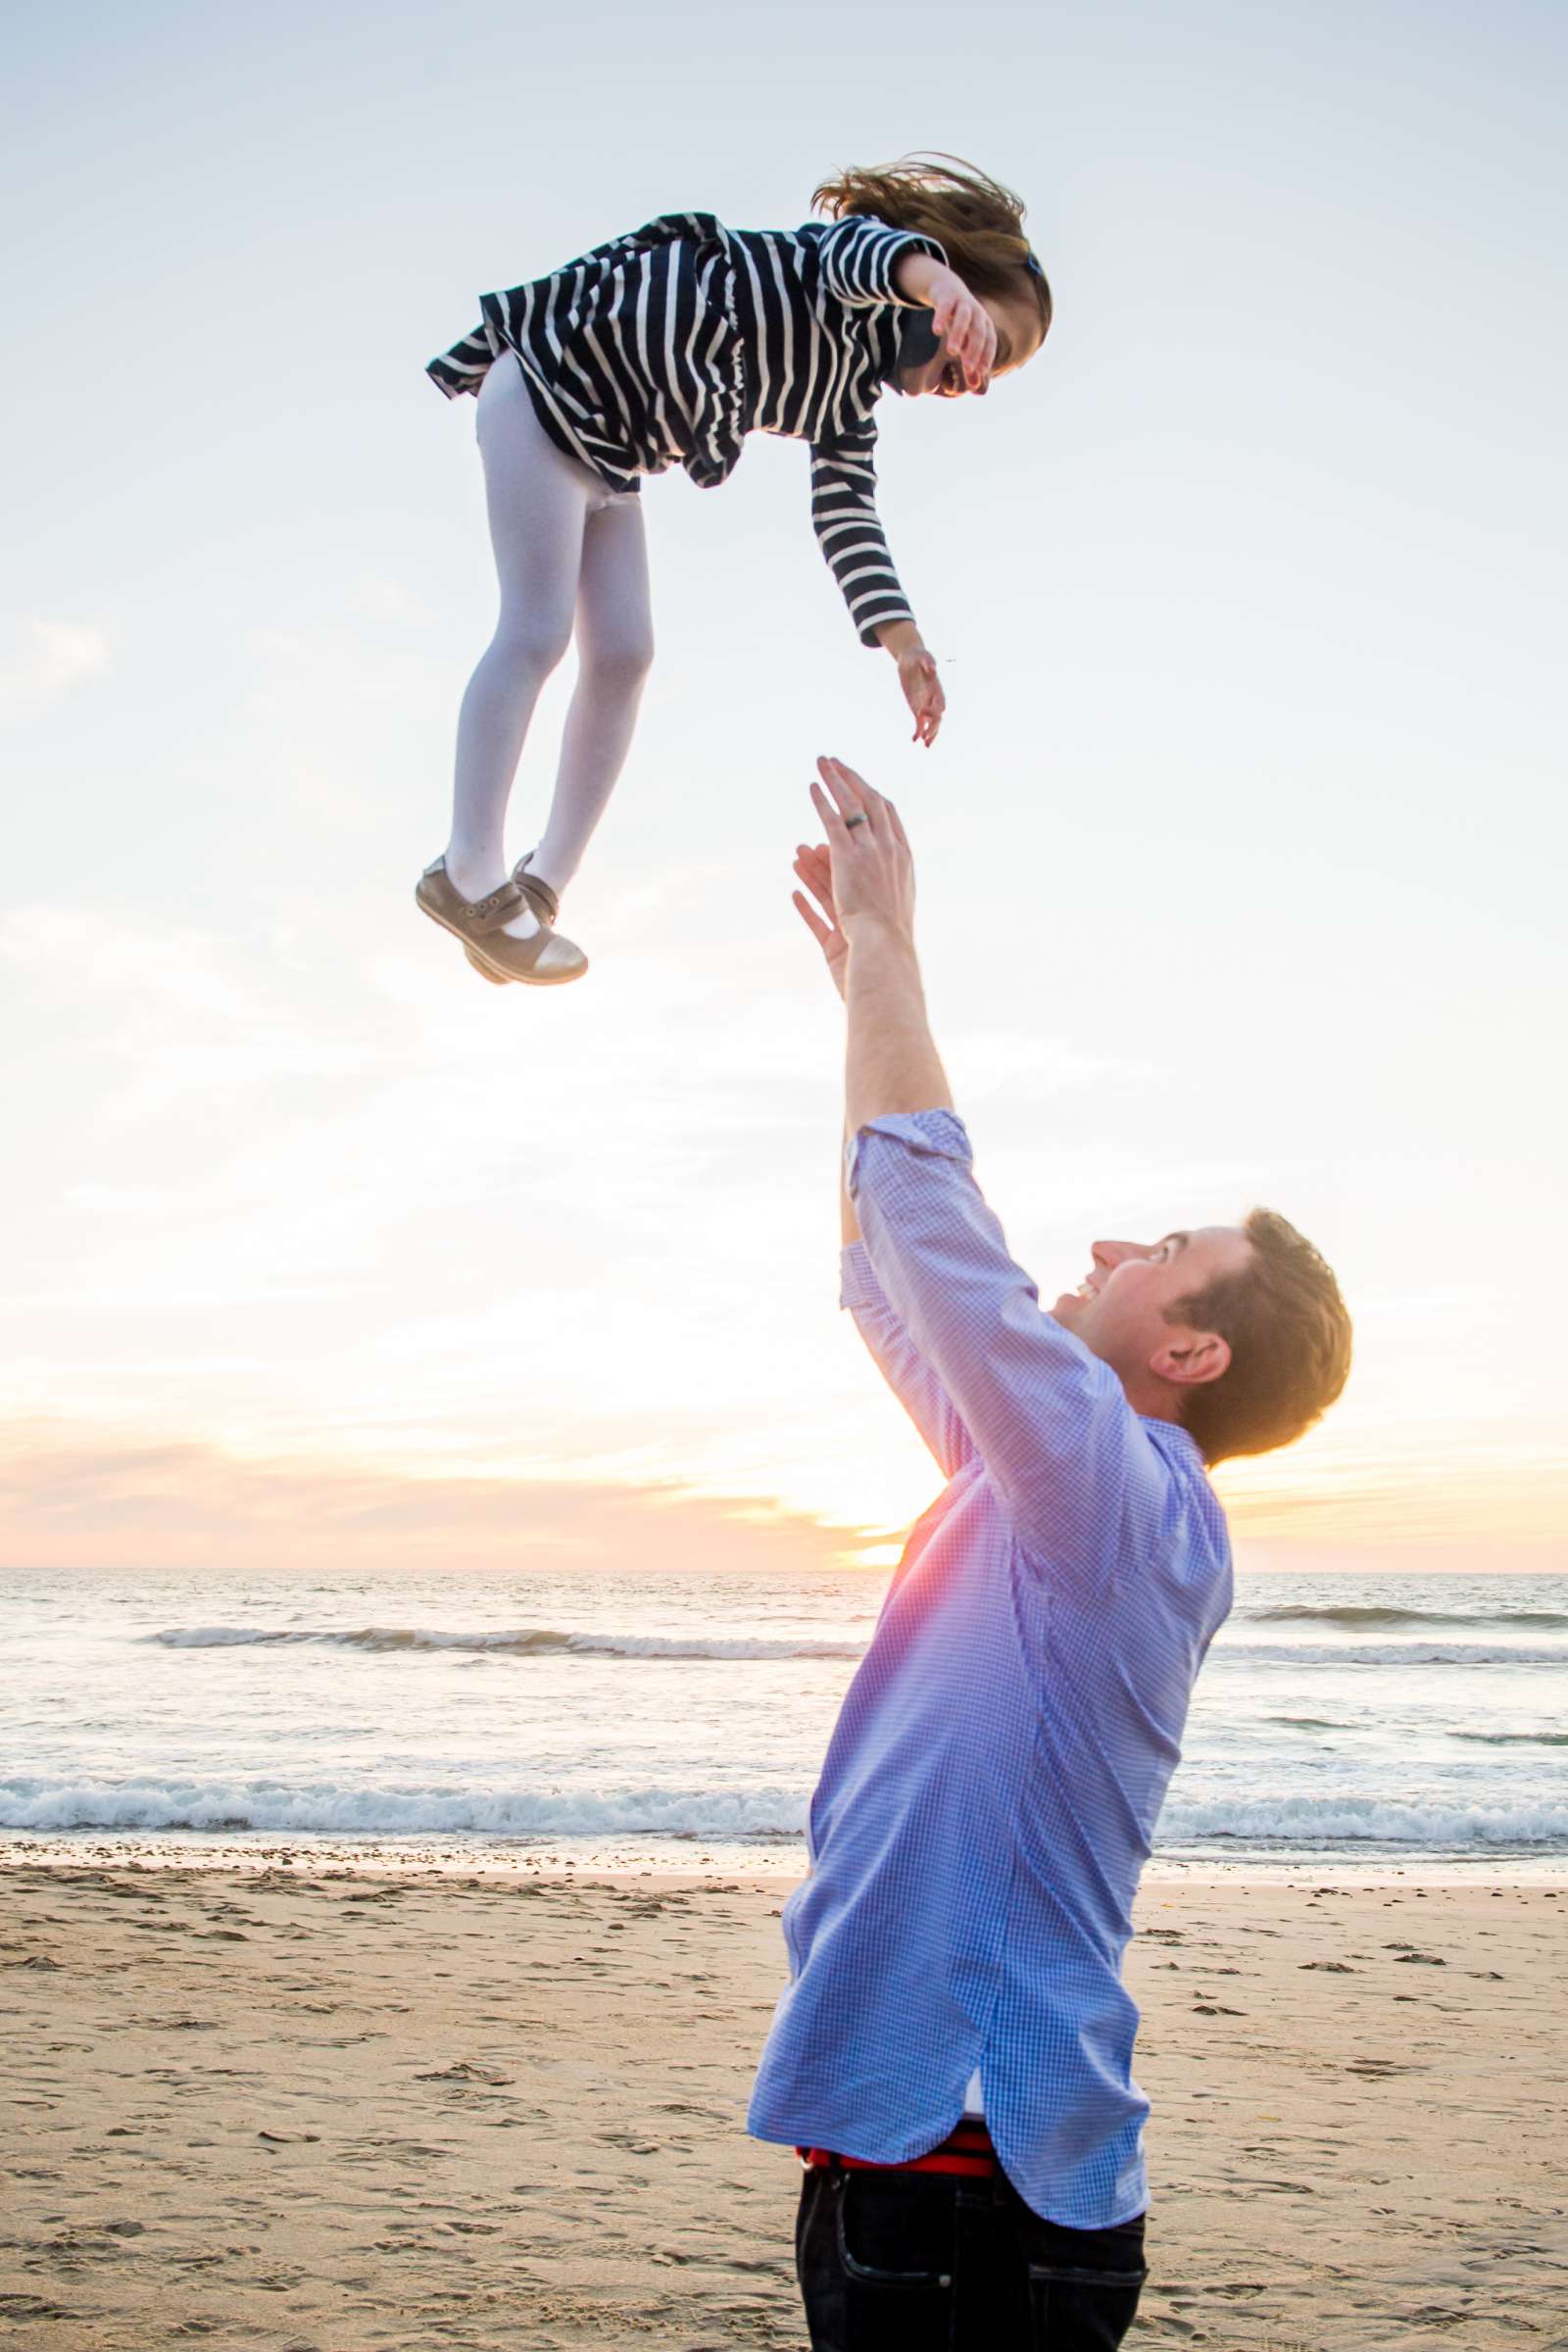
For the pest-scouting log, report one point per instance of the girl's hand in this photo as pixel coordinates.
(963, 325)
(815, 869)
(923, 691)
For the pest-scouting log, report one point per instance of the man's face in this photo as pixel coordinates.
(1119, 1311)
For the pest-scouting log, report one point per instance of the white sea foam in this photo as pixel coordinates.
(760, 1813)
(1341, 1819)
(640, 1714)
(400, 1810)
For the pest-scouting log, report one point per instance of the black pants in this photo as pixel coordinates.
(930, 2262)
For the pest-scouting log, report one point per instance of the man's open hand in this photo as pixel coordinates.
(872, 872)
(821, 919)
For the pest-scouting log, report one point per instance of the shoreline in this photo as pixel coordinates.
(410, 1857)
(312, 2108)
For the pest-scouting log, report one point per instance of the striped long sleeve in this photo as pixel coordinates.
(859, 256)
(850, 533)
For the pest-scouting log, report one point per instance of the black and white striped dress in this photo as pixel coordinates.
(669, 346)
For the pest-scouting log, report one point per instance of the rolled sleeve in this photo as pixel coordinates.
(937, 1134)
(859, 1288)
(1065, 1450)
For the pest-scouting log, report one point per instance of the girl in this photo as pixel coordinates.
(669, 346)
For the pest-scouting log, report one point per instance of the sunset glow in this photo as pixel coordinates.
(1237, 853)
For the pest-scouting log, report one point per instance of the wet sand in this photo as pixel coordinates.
(327, 2110)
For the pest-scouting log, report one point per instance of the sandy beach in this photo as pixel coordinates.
(325, 2110)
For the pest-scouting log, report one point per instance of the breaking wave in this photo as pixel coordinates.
(1389, 1653)
(1370, 1617)
(1345, 1820)
(526, 1642)
(540, 1640)
(757, 1814)
(397, 1809)
(1513, 1739)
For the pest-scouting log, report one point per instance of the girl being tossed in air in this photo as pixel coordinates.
(669, 346)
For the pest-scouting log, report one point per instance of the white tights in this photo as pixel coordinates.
(570, 554)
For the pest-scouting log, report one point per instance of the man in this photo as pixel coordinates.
(952, 2053)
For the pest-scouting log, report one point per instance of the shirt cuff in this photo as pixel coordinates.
(894, 608)
(928, 1134)
(902, 241)
(859, 1288)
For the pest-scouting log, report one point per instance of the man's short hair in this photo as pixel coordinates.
(1290, 1343)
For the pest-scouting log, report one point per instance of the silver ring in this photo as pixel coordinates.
(853, 821)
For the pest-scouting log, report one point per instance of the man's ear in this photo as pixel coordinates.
(1189, 1359)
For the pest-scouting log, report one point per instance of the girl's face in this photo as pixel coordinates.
(929, 368)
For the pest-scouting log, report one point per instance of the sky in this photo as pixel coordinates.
(1240, 855)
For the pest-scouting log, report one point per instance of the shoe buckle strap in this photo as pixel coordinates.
(539, 894)
(497, 910)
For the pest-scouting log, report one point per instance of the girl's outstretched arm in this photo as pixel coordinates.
(850, 533)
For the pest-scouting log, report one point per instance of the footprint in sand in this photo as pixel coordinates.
(464, 2070)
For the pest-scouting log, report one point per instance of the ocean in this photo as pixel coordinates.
(664, 1723)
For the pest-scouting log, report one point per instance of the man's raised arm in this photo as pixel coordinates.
(1051, 1421)
(912, 1380)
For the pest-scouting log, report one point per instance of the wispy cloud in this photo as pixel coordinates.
(46, 660)
(339, 1228)
(1499, 1489)
(83, 1498)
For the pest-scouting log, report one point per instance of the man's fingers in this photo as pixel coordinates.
(822, 932)
(832, 821)
(818, 875)
(820, 886)
(854, 784)
(848, 789)
(877, 804)
(853, 796)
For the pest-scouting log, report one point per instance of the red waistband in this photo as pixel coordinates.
(966, 2150)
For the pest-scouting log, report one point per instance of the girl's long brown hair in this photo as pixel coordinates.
(974, 219)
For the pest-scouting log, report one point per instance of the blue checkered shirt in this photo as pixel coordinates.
(992, 1786)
